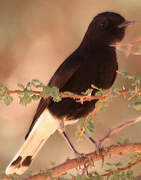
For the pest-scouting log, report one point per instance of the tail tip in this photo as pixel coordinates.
(19, 165)
(19, 171)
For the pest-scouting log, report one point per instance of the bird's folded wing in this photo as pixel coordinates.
(59, 79)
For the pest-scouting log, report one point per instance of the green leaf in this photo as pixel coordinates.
(68, 92)
(118, 164)
(25, 100)
(2, 174)
(136, 105)
(81, 121)
(7, 99)
(28, 84)
(2, 87)
(1, 96)
(35, 80)
(114, 91)
(26, 97)
(89, 128)
(36, 97)
(36, 83)
(51, 92)
(88, 92)
(109, 164)
(126, 74)
(123, 141)
(39, 85)
(20, 85)
(135, 158)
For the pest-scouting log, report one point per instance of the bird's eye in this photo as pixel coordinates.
(103, 24)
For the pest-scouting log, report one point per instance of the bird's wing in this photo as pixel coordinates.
(59, 79)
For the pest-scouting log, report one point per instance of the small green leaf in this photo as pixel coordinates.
(28, 84)
(81, 121)
(126, 74)
(89, 128)
(36, 83)
(35, 80)
(26, 97)
(3, 87)
(118, 164)
(36, 97)
(88, 92)
(25, 100)
(39, 85)
(115, 91)
(123, 141)
(1, 96)
(20, 85)
(2, 174)
(109, 164)
(67, 92)
(136, 105)
(7, 99)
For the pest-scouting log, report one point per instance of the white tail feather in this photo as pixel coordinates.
(45, 126)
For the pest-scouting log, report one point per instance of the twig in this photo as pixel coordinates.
(138, 177)
(97, 108)
(20, 92)
(118, 128)
(124, 168)
(76, 96)
(128, 43)
(129, 46)
(79, 98)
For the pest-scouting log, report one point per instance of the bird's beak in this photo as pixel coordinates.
(126, 23)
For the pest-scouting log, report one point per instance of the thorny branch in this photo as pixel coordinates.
(89, 159)
(79, 98)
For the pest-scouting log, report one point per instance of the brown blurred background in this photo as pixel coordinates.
(35, 37)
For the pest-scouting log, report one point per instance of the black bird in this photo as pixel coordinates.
(93, 62)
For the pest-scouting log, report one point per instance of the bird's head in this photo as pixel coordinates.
(108, 27)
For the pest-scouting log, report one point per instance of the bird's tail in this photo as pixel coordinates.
(42, 130)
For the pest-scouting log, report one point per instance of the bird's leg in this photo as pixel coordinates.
(78, 155)
(62, 131)
(70, 144)
(92, 140)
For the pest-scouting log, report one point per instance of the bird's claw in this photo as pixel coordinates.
(83, 159)
(100, 151)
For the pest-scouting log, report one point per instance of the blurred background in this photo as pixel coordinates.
(35, 37)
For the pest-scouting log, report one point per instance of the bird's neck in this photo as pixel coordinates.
(90, 44)
(92, 40)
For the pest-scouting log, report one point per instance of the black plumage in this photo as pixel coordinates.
(93, 62)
